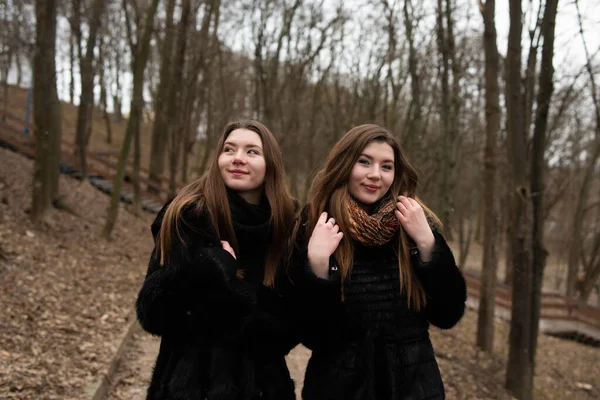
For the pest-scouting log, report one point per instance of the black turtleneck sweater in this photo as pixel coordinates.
(251, 223)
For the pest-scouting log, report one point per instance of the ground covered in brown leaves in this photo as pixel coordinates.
(66, 295)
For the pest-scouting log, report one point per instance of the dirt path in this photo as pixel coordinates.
(135, 368)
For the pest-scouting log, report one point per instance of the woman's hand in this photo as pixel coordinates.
(323, 242)
(413, 220)
(227, 247)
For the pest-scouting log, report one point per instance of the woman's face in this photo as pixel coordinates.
(373, 174)
(242, 164)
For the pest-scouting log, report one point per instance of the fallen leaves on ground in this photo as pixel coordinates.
(66, 294)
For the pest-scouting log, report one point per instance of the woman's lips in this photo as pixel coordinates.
(237, 172)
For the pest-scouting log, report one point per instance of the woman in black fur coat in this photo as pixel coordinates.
(210, 290)
(371, 275)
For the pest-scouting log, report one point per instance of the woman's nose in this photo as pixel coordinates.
(374, 173)
(239, 158)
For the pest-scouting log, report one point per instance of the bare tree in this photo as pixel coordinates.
(414, 115)
(86, 100)
(174, 108)
(519, 371)
(529, 254)
(538, 169)
(140, 52)
(47, 110)
(584, 190)
(487, 294)
(449, 109)
(160, 128)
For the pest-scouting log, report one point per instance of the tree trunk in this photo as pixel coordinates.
(117, 100)
(104, 97)
(519, 370)
(448, 121)
(19, 70)
(538, 167)
(466, 237)
(137, 153)
(72, 58)
(413, 132)
(453, 140)
(208, 141)
(86, 100)
(47, 111)
(174, 117)
(487, 294)
(160, 129)
(4, 70)
(137, 100)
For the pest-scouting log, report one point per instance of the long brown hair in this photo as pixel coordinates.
(329, 192)
(211, 195)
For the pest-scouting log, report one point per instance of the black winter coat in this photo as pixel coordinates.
(221, 337)
(371, 345)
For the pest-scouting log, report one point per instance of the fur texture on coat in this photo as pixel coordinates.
(371, 345)
(212, 325)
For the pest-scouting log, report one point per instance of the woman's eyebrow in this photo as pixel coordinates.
(234, 144)
(371, 158)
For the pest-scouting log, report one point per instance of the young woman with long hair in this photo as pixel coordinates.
(210, 290)
(371, 272)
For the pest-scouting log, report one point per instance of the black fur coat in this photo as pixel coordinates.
(371, 345)
(221, 337)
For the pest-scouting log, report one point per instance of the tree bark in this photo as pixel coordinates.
(160, 129)
(413, 132)
(519, 370)
(72, 58)
(538, 168)
(47, 111)
(86, 100)
(487, 294)
(174, 115)
(104, 96)
(448, 111)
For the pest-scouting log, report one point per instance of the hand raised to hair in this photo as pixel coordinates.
(323, 242)
(413, 220)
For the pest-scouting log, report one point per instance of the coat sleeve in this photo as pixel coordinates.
(316, 302)
(444, 285)
(192, 292)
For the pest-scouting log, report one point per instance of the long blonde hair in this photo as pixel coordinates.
(211, 195)
(329, 192)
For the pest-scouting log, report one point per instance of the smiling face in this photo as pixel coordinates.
(242, 164)
(373, 173)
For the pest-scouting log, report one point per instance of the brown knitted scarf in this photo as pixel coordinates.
(375, 229)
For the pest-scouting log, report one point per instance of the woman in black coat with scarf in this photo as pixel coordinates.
(371, 275)
(211, 287)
